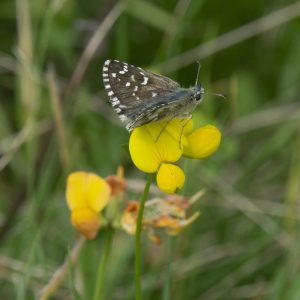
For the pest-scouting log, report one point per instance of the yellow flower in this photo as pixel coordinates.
(203, 142)
(155, 146)
(157, 142)
(87, 194)
(86, 222)
(170, 178)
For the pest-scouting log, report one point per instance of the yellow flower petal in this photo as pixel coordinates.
(143, 150)
(87, 191)
(178, 128)
(86, 222)
(170, 178)
(188, 126)
(203, 142)
(157, 142)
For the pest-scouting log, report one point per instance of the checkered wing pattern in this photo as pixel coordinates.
(134, 92)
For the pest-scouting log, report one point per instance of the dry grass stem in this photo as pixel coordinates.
(58, 118)
(61, 273)
(94, 44)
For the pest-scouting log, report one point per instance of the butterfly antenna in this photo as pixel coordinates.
(199, 67)
(215, 94)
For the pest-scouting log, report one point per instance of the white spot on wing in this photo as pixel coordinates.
(136, 97)
(110, 93)
(136, 88)
(107, 86)
(105, 69)
(107, 62)
(121, 72)
(115, 101)
(145, 80)
(154, 94)
(105, 80)
(127, 84)
(132, 77)
(123, 118)
(105, 75)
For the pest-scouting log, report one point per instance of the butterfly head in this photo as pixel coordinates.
(198, 92)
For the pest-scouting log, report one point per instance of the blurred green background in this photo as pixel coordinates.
(55, 118)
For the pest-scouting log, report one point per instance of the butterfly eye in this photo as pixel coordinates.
(198, 96)
(198, 92)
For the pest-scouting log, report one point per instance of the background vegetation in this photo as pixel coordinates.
(55, 118)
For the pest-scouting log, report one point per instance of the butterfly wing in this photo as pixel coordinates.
(132, 89)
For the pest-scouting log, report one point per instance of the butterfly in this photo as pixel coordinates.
(140, 97)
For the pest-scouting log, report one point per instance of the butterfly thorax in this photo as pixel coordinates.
(176, 103)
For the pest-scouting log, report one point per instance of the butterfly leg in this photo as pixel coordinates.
(189, 117)
(164, 127)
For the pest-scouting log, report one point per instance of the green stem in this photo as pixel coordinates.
(166, 295)
(98, 294)
(138, 294)
(167, 286)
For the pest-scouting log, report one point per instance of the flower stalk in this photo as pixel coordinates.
(98, 294)
(138, 293)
